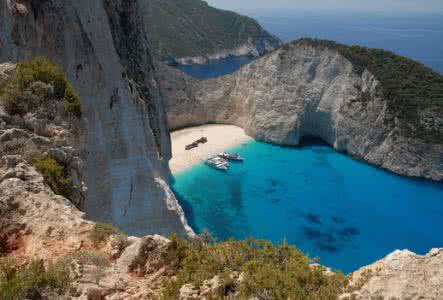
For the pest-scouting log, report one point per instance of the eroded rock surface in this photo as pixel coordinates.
(103, 50)
(400, 275)
(303, 90)
(42, 226)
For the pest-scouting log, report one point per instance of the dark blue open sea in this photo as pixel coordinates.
(343, 211)
(419, 37)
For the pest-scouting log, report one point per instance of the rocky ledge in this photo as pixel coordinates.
(322, 89)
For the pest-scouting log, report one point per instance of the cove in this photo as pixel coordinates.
(216, 67)
(347, 213)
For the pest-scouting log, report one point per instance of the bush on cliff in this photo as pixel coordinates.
(31, 280)
(21, 95)
(269, 272)
(53, 173)
(102, 232)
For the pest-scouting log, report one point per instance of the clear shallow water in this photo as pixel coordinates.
(345, 212)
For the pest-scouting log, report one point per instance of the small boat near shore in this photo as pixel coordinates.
(218, 163)
(230, 156)
(196, 143)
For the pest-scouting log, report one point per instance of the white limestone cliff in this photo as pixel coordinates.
(104, 53)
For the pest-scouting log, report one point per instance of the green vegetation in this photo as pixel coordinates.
(31, 280)
(35, 82)
(410, 88)
(72, 102)
(269, 272)
(181, 28)
(53, 173)
(93, 258)
(102, 232)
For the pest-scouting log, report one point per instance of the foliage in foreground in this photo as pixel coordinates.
(53, 173)
(31, 280)
(269, 272)
(34, 82)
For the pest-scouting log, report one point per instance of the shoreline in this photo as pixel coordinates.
(220, 138)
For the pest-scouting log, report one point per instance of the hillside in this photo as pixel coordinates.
(371, 104)
(192, 28)
(411, 88)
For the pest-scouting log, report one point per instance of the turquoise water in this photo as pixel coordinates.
(330, 206)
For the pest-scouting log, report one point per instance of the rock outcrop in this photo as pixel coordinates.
(400, 275)
(41, 129)
(308, 90)
(37, 225)
(104, 52)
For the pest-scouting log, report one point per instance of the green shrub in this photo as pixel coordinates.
(30, 280)
(72, 102)
(276, 272)
(41, 69)
(18, 91)
(102, 232)
(53, 173)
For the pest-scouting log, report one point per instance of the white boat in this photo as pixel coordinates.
(230, 156)
(218, 163)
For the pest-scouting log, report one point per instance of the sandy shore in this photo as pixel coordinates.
(220, 138)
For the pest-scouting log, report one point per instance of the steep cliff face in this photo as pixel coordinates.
(302, 90)
(102, 48)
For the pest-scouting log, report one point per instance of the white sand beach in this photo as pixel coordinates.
(220, 138)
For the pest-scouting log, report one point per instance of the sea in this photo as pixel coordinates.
(341, 211)
(419, 37)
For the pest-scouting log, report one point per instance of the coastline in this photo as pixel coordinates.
(220, 138)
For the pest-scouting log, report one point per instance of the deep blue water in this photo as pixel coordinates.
(330, 206)
(419, 37)
(216, 68)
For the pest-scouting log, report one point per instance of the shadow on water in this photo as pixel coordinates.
(188, 210)
(218, 197)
